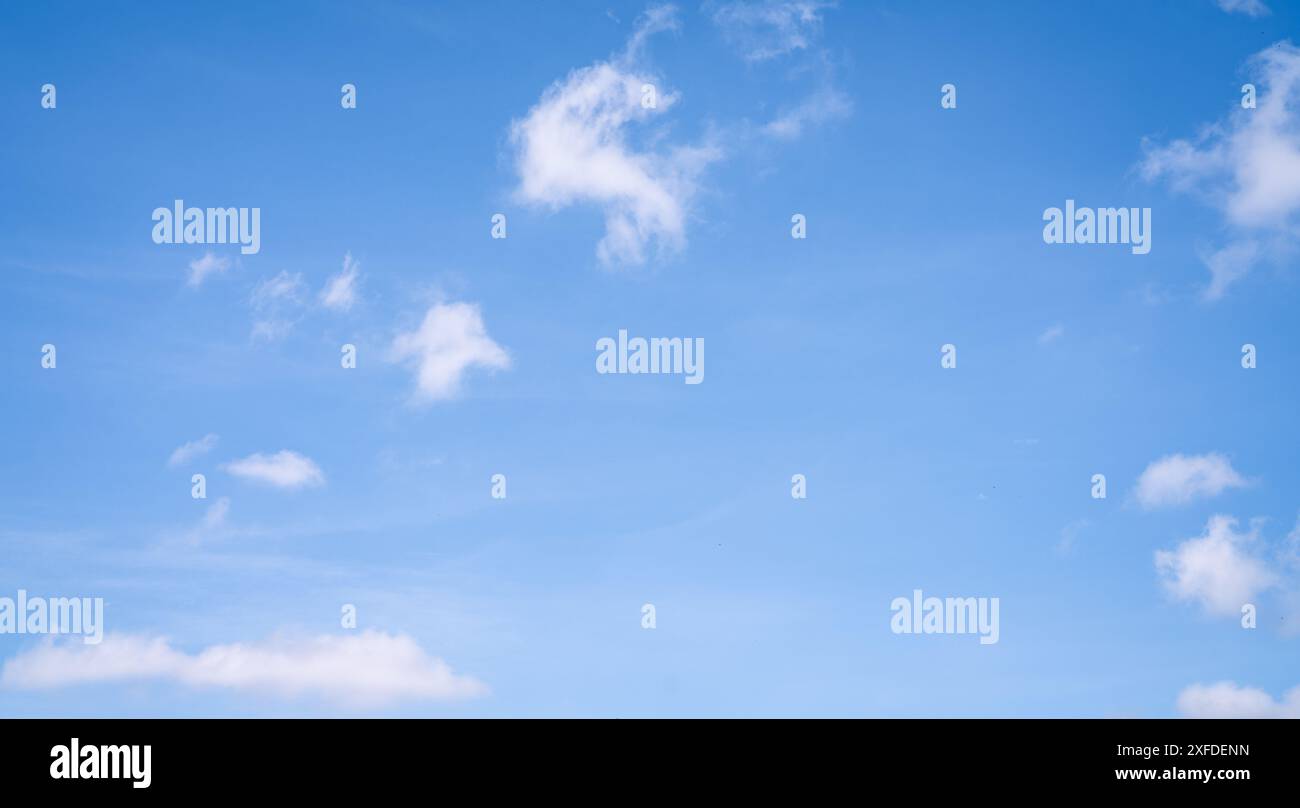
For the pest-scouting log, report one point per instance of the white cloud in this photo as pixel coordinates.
(450, 340)
(573, 147)
(1217, 569)
(284, 469)
(825, 105)
(1052, 334)
(1247, 165)
(340, 291)
(212, 524)
(1069, 534)
(215, 516)
(189, 451)
(769, 28)
(1178, 479)
(369, 668)
(1229, 700)
(209, 264)
(1251, 8)
(275, 301)
(1228, 265)
(271, 292)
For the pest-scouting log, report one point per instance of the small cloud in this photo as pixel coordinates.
(1247, 165)
(213, 522)
(1228, 265)
(1216, 569)
(1052, 334)
(1251, 8)
(450, 340)
(275, 301)
(216, 514)
(195, 448)
(769, 28)
(1178, 479)
(1068, 535)
(271, 292)
(826, 105)
(367, 669)
(1229, 700)
(209, 264)
(284, 469)
(573, 147)
(340, 291)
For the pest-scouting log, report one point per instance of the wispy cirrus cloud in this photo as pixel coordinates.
(340, 290)
(195, 448)
(766, 29)
(826, 104)
(1251, 8)
(366, 669)
(1051, 334)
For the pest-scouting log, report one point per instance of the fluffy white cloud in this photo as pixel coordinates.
(450, 340)
(769, 28)
(1247, 165)
(573, 147)
(1228, 700)
(1178, 479)
(189, 451)
(1251, 8)
(1217, 569)
(340, 291)
(364, 669)
(209, 264)
(284, 469)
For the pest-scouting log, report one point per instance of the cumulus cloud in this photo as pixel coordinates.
(340, 291)
(195, 448)
(1251, 8)
(284, 469)
(1178, 479)
(1247, 165)
(209, 264)
(769, 28)
(1218, 569)
(1229, 700)
(450, 340)
(574, 146)
(369, 668)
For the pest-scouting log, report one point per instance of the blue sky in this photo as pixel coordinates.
(371, 485)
